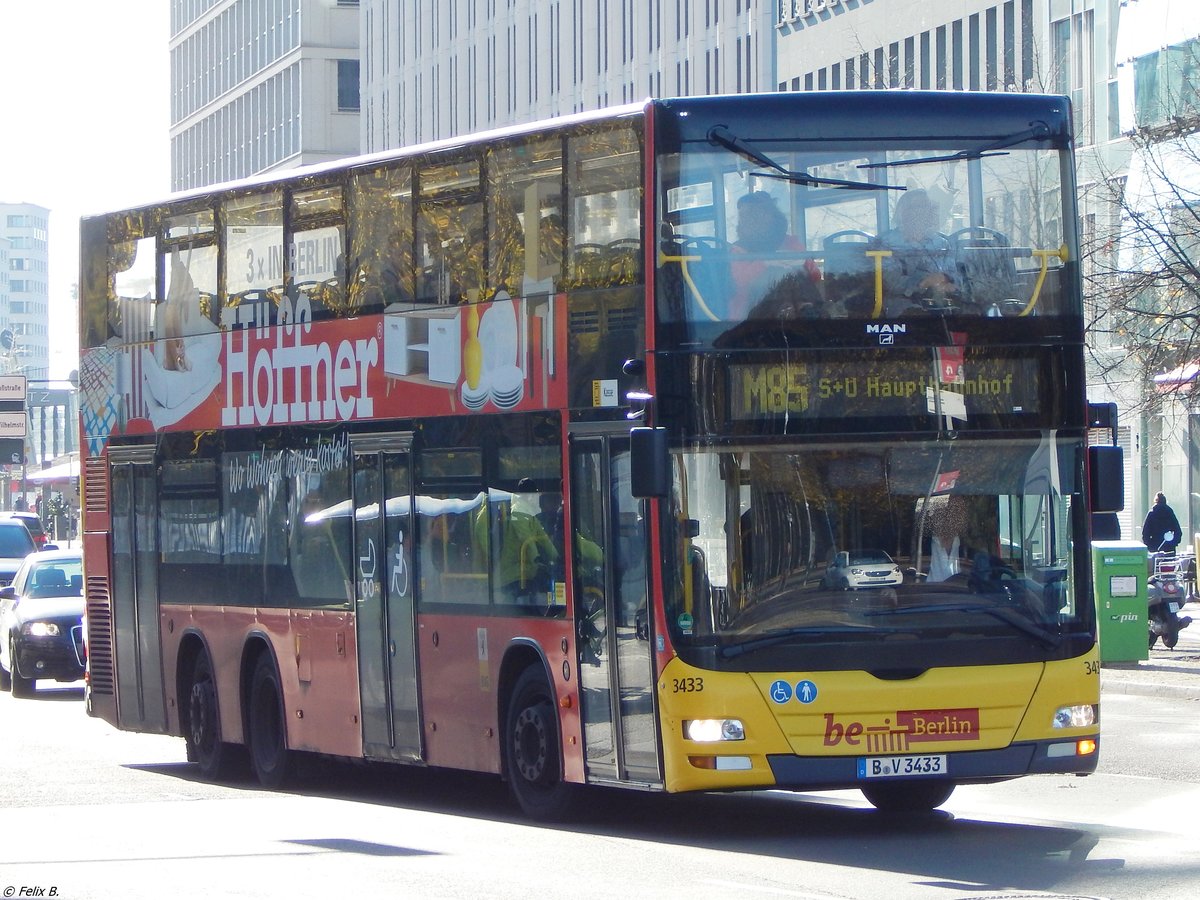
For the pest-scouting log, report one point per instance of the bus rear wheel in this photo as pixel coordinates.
(533, 750)
(908, 797)
(269, 755)
(203, 734)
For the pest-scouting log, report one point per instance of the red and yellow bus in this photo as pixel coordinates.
(701, 444)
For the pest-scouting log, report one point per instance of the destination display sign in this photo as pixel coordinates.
(881, 385)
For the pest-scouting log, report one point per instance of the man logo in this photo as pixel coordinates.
(887, 332)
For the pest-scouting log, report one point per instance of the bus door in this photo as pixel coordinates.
(137, 641)
(384, 588)
(616, 676)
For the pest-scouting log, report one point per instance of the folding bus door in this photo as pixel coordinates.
(616, 674)
(384, 589)
(137, 641)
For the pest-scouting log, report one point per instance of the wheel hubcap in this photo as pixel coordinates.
(530, 744)
(199, 715)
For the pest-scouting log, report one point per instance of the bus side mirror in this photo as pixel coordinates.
(1106, 479)
(649, 463)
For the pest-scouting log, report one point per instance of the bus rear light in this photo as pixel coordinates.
(1082, 716)
(708, 731)
(721, 763)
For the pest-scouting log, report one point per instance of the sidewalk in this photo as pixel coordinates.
(1167, 673)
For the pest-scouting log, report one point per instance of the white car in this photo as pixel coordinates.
(855, 569)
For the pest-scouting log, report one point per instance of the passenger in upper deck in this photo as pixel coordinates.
(762, 233)
(921, 268)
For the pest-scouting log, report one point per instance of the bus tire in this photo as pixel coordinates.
(532, 757)
(266, 731)
(203, 736)
(908, 797)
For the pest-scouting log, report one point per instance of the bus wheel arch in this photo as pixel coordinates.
(531, 745)
(264, 719)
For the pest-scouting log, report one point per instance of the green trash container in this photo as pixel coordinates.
(1119, 570)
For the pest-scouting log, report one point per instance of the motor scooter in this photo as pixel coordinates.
(1165, 598)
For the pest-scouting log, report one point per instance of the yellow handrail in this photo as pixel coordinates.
(687, 277)
(1044, 255)
(878, 256)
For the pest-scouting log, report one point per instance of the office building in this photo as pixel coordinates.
(26, 315)
(434, 69)
(261, 85)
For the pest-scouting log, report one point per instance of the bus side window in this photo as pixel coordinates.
(450, 233)
(453, 551)
(525, 233)
(381, 239)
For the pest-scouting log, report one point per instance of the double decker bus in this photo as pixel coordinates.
(700, 444)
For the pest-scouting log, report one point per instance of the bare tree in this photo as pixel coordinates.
(1142, 268)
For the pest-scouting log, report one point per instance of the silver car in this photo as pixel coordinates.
(855, 569)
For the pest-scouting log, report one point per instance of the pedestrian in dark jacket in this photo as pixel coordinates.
(1161, 529)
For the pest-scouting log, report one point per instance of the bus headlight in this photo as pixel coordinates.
(711, 730)
(1076, 716)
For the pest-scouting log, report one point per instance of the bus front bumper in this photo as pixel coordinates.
(1065, 756)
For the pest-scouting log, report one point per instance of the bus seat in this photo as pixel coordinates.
(849, 272)
(984, 261)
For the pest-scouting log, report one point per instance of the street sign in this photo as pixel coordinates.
(13, 387)
(12, 451)
(12, 423)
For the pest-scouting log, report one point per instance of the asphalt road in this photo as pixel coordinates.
(95, 813)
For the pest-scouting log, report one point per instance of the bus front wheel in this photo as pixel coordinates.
(912, 797)
(269, 755)
(533, 750)
(203, 736)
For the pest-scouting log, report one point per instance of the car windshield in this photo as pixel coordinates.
(55, 578)
(868, 557)
(15, 541)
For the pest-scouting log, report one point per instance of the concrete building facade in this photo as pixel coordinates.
(434, 69)
(260, 85)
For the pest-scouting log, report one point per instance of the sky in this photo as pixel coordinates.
(85, 125)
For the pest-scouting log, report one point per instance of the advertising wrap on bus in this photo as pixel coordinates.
(270, 364)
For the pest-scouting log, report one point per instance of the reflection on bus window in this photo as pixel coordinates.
(852, 536)
(935, 234)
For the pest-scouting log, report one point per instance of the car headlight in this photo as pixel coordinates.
(711, 730)
(41, 629)
(1080, 716)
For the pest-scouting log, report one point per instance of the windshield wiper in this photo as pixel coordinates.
(731, 650)
(1002, 613)
(1038, 131)
(723, 137)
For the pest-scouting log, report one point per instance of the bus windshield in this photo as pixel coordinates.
(762, 226)
(907, 555)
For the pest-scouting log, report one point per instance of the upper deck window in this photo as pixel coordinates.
(774, 229)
